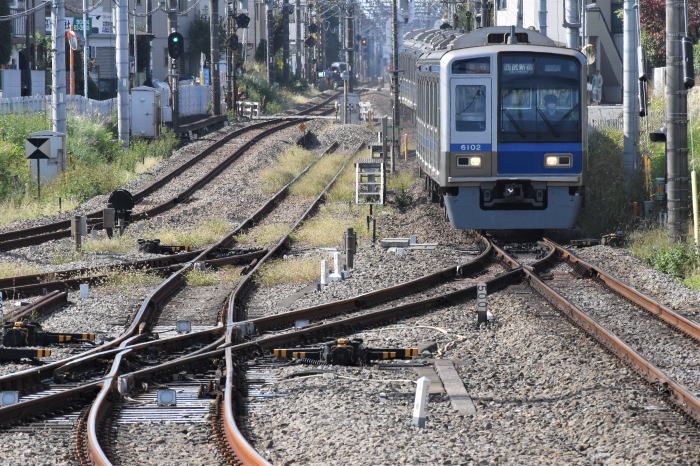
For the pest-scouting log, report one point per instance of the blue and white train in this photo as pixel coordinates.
(500, 122)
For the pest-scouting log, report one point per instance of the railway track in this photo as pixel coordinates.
(547, 267)
(61, 229)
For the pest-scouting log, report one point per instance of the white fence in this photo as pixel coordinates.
(74, 103)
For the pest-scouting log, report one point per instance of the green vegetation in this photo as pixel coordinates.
(681, 261)
(273, 98)
(130, 282)
(316, 179)
(327, 230)
(285, 168)
(208, 277)
(11, 269)
(97, 164)
(294, 270)
(264, 234)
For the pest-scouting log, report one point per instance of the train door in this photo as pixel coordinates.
(471, 123)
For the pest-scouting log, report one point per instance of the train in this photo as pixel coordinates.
(499, 115)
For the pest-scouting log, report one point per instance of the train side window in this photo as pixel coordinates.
(470, 107)
(481, 65)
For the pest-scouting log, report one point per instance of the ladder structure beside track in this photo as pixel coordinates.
(369, 181)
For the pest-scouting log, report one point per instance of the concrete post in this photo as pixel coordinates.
(214, 56)
(630, 103)
(173, 69)
(297, 39)
(395, 77)
(676, 125)
(572, 22)
(123, 70)
(285, 41)
(85, 51)
(58, 71)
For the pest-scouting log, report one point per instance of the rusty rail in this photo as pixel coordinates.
(683, 398)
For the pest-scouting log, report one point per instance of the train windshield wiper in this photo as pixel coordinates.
(514, 123)
(548, 123)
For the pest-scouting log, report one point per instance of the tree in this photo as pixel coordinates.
(5, 33)
(653, 19)
(197, 38)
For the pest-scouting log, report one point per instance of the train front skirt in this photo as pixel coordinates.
(465, 211)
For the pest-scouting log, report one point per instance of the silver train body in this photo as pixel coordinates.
(501, 126)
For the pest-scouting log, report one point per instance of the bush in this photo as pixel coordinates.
(676, 261)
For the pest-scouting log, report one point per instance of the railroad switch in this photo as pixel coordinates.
(345, 352)
(30, 334)
(153, 246)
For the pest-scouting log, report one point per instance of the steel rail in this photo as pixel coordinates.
(668, 315)
(678, 393)
(73, 282)
(61, 229)
(98, 410)
(29, 379)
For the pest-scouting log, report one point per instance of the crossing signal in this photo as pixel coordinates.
(176, 45)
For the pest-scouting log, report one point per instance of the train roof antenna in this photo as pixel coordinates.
(512, 39)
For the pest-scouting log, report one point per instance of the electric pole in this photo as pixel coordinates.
(214, 56)
(572, 23)
(268, 44)
(630, 104)
(234, 56)
(676, 124)
(85, 50)
(297, 39)
(285, 41)
(174, 72)
(123, 70)
(395, 81)
(149, 29)
(58, 70)
(350, 44)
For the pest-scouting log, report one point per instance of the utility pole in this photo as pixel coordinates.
(676, 125)
(58, 70)
(85, 50)
(149, 30)
(285, 41)
(123, 70)
(136, 53)
(543, 17)
(630, 104)
(173, 71)
(572, 23)
(350, 45)
(297, 39)
(229, 58)
(268, 43)
(214, 56)
(234, 56)
(395, 81)
(27, 47)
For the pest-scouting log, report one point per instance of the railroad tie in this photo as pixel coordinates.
(459, 398)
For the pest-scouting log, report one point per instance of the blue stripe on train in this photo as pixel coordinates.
(524, 158)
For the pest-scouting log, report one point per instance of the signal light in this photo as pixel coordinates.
(232, 42)
(310, 41)
(313, 28)
(176, 45)
(242, 21)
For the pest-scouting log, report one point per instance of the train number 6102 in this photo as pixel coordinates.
(470, 147)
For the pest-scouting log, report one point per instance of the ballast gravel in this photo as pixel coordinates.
(544, 393)
(657, 285)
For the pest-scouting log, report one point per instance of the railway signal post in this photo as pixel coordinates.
(175, 49)
(214, 56)
(58, 70)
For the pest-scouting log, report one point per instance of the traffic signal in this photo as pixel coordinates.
(176, 45)
(313, 28)
(310, 41)
(232, 42)
(242, 21)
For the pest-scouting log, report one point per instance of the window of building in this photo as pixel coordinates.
(502, 4)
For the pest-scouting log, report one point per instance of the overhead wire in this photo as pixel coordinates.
(24, 13)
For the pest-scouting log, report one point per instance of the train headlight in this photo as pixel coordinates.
(474, 161)
(558, 160)
(469, 161)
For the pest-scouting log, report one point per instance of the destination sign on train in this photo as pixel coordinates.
(519, 68)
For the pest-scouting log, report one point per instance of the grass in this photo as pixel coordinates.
(97, 164)
(293, 270)
(11, 269)
(316, 179)
(327, 230)
(204, 233)
(130, 282)
(680, 261)
(344, 188)
(263, 234)
(208, 277)
(400, 181)
(287, 166)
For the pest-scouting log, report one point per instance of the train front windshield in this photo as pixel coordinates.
(540, 98)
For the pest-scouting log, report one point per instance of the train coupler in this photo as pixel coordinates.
(345, 352)
(30, 334)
